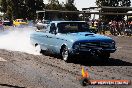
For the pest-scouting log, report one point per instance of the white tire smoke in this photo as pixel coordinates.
(17, 39)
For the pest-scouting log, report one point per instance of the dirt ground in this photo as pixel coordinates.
(23, 70)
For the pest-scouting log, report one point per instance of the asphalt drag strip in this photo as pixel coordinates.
(38, 71)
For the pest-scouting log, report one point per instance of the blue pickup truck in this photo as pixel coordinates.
(68, 38)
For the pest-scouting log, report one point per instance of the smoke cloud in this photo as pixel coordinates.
(17, 39)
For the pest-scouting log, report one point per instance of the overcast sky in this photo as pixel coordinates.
(81, 3)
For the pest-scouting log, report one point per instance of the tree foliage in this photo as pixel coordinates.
(68, 6)
(71, 7)
(21, 8)
(3, 6)
(53, 5)
(113, 3)
(14, 9)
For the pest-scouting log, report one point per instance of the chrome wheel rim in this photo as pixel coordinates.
(38, 49)
(65, 54)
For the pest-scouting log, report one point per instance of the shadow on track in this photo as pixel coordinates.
(95, 61)
(6, 85)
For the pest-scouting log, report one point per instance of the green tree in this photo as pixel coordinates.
(71, 7)
(32, 6)
(53, 5)
(9, 12)
(3, 6)
(113, 3)
(21, 8)
(68, 6)
(70, 1)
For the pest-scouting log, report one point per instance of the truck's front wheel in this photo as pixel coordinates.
(38, 49)
(65, 54)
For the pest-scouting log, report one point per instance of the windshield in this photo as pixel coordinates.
(72, 27)
(20, 20)
(46, 22)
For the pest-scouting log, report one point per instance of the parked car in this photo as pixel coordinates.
(42, 24)
(19, 22)
(68, 38)
(7, 23)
